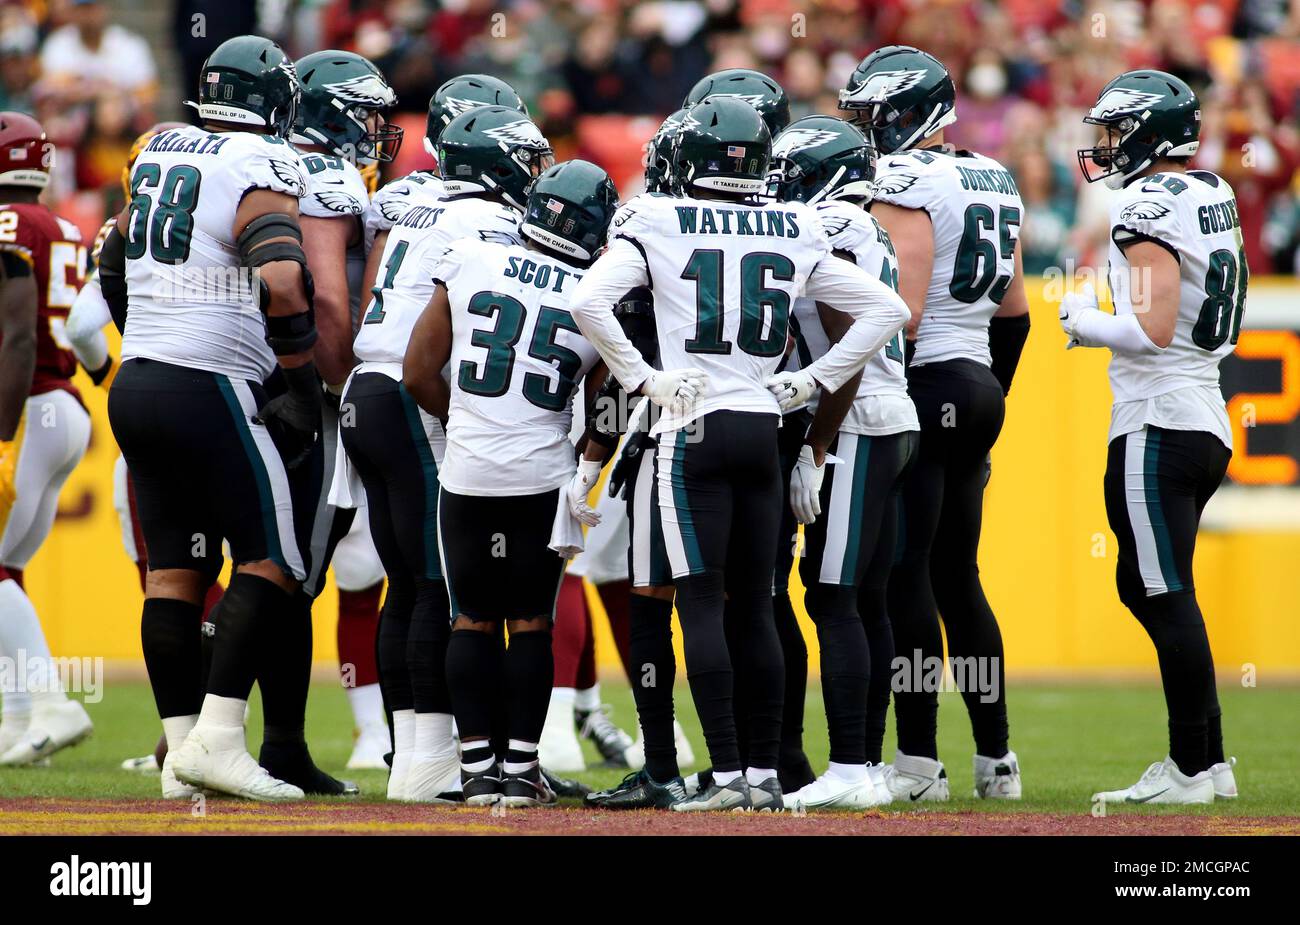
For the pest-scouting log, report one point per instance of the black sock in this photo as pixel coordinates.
(700, 602)
(1215, 736)
(474, 679)
(170, 638)
(764, 666)
(1187, 673)
(426, 647)
(795, 771)
(846, 666)
(919, 641)
(285, 672)
(530, 670)
(653, 670)
(390, 645)
(880, 647)
(250, 604)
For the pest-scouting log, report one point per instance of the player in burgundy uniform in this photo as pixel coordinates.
(44, 430)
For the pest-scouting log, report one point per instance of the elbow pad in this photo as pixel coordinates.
(286, 334)
(604, 422)
(1006, 341)
(112, 276)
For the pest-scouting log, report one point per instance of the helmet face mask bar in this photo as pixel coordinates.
(899, 96)
(344, 99)
(1146, 115)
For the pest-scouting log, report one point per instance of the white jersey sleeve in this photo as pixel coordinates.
(191, 302)
(1193, 216)
(517, 358)
(975, 212)
(335, 188)
(391, 201)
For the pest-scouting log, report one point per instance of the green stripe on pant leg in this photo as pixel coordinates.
(432, 567)
(853, 538)
(270, 527)
(685, 522)
(1156, 514)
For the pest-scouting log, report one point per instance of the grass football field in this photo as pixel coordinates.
(1071, 740)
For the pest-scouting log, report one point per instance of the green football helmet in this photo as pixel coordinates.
(340, 92)
(658, 156)
(899, 96)
(570, 208)
(249, 81)
(723, 145)
(461, 94)
(492, 149)
(1152, 114)
(755, 88)
(821, 158)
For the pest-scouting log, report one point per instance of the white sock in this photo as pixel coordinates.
(221, 711)
(520, 747)
(22, 640)
(482, 746)
(756, 776)
(587, 699)
(367, 702)
(432, 736)
(403, 731)
(722, 778)
(851, 773)
(561, 708)
(176, 728)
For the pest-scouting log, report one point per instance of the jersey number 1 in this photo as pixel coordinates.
(757, 299)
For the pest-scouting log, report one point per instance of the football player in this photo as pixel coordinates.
(488, 156)
(954, 219)
(850, 524)
(207, 264)
(339, 126)
(726, 270)
(44, 430)
(1177, 275)
(500, 316)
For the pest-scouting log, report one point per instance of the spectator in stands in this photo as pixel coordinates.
(17, 68)
(90, 56)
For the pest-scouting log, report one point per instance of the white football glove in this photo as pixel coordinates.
(675, 389)
(792, 389)
(583, 481)
(806, 486)
(1073, 306)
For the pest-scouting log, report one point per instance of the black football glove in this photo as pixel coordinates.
(625, 465)
(294, 418)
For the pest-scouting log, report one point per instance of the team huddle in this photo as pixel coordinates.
(794, 348)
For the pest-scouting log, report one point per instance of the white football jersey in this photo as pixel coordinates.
(516, 361)
(335, 189)
(975, 208)
(724, 277)
(190, 300)
(882, 405)
(1194, 216)
(392, 200)
(405, 282)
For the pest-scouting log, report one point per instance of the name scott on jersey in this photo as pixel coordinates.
(769, 223)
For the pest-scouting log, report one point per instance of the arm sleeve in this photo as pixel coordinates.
(878, 314)
(85, 325)
(1007, 338)
(1121, 333)
(619, 269)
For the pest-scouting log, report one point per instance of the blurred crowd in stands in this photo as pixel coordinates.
(599, 74)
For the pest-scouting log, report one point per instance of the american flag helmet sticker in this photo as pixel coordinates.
(555, 205)
(735, 151)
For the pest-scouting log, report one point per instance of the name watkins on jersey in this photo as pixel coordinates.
(770, 223)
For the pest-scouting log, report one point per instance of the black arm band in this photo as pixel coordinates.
(604, 420)
(97, 375)
(290, 334)
(636, 315)
(1006, 341)
(15, 265)
(112, 276)
(909, 351)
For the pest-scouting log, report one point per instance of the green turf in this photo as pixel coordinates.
(1071, 740)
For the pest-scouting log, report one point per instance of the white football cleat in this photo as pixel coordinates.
(216, 758)
(399, 775)
(12, 730)
(54, 726)
(997, 778)
(685, 753)
(1162, 782)
(173, 789)
(559, 749)
(912, 779)
(145, 764)
(881, 781)
(1225, 782)
(368, 751)
(428, 779)
(830, 791)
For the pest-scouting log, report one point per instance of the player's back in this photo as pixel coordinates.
(1194, 216)
(975, 210)
(415, 244)
(390, 201)
(190, 300)
(724, 277)
(54, 249)
(516, 360)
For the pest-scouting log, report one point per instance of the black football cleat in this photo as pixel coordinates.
(565, 787)
(291, 762)
(612, 742)
(482, 788)
(639, 791)
(520, 791)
